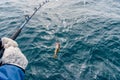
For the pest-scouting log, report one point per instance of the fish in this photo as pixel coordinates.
(56, 50)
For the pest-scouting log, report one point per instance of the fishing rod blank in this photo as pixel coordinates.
(27, 19)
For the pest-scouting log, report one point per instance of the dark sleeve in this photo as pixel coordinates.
(11, 72)
(0, 44)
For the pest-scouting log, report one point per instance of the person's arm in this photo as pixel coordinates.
(13, 61)
(11, 72)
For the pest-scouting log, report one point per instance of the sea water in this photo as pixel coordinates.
(87, 30)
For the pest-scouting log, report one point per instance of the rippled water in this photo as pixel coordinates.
(88, 31)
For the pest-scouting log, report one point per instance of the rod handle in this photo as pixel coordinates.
(1, 49)
(1, 52)
(15, 35)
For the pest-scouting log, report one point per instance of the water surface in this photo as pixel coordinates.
(88, 31)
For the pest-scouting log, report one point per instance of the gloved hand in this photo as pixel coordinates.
(12, 54)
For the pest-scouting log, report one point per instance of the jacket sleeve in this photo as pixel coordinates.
(11, 72)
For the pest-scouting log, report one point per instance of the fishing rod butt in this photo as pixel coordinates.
(1, 52)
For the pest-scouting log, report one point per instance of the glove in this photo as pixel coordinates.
(7, 42)
(12, 54)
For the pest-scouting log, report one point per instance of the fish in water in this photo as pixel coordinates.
(56, 50)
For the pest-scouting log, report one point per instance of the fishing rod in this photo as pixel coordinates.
(27, 19)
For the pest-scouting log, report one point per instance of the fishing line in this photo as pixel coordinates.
(27, 19)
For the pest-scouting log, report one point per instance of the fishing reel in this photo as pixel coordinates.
(27, 17)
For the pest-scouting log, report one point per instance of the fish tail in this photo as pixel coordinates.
(55, 56)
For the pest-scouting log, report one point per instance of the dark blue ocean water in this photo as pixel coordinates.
(88, 31)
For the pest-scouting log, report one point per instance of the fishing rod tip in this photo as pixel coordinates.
(47, 1)
(43, 3)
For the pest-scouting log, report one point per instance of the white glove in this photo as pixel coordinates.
(12, 54)
(7, 42)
